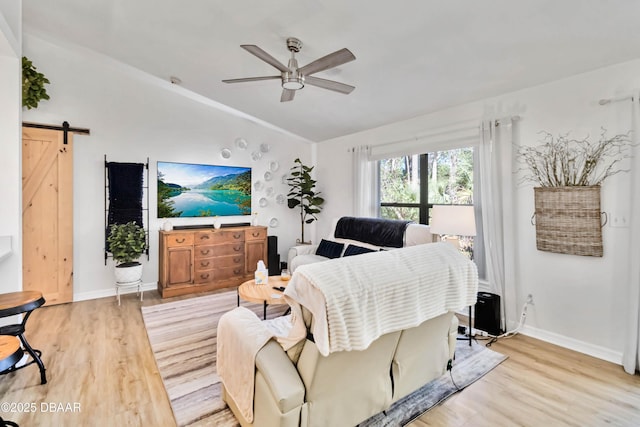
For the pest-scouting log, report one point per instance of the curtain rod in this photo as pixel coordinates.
(606, 101)
(443, 133)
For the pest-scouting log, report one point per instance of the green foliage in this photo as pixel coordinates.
(452, 180)
(126, 242)
(33, 90)
(449, 178)
(241, 183)
(165, 206)
(302, 194)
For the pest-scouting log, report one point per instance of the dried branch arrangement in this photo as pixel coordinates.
(561, 161)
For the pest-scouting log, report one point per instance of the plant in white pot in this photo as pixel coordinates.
(126, 243)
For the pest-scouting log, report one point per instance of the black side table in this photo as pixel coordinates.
(18, 303)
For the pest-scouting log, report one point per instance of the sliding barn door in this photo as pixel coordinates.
(47, 214)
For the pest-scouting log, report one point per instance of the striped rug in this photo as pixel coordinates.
(183, 339)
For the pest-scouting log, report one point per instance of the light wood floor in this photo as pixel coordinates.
(98, 358)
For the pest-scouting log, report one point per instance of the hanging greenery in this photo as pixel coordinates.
(561, 161)
(33, 90)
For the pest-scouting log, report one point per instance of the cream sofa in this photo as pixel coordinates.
(414, 234)
(302, 387)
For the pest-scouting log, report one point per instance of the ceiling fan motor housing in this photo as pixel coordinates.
(292, 80)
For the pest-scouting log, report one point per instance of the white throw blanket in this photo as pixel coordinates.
(240, 336)
(355, 300)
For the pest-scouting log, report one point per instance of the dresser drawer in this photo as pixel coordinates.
(202, 264)
(203, 276)
(203, 237)
(179, 239)
(228, 249)
(228, 272)
(204, 251)
(256, 233)
(229, 261)
(229, 236)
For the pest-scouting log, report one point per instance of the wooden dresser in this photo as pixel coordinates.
(204, 259)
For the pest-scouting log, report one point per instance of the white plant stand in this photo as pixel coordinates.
(137, 283)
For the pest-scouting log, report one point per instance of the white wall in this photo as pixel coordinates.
(132, 116)
(10, 137)
(579, 301)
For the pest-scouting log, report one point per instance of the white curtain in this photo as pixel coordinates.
(496, 203)
(365, 182)
(631, 354)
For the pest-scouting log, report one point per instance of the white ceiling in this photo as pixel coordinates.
(413, 56)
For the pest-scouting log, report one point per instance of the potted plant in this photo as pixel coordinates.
(126, 243)
(303, 196)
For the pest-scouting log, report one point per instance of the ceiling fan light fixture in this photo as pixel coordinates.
(293, 83)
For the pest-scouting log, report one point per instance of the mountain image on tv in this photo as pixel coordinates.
(194, 190)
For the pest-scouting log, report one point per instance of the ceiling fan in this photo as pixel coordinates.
(294, 78)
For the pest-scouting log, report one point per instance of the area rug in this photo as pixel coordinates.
(183, 340)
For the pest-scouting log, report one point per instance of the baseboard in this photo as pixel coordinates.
(105, 293)
(589, 349)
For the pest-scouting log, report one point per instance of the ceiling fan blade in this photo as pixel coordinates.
(287, 95)
(251, 79)
(329, 84)
(255, 50)
(334, 59)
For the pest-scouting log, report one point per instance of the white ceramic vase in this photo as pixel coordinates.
(128, 274)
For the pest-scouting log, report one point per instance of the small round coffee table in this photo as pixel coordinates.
(262, 294)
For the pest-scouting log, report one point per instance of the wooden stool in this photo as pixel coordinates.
(10, 354)
(18, 303)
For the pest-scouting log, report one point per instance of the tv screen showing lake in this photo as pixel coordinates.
(210, 202)
(192, 190)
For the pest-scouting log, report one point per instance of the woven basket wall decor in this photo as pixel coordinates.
(568, 220)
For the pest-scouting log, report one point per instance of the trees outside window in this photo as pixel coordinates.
(411, 185)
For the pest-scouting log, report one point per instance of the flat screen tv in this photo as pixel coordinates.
(193, 190)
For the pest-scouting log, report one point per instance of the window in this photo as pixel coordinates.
(410, 185)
